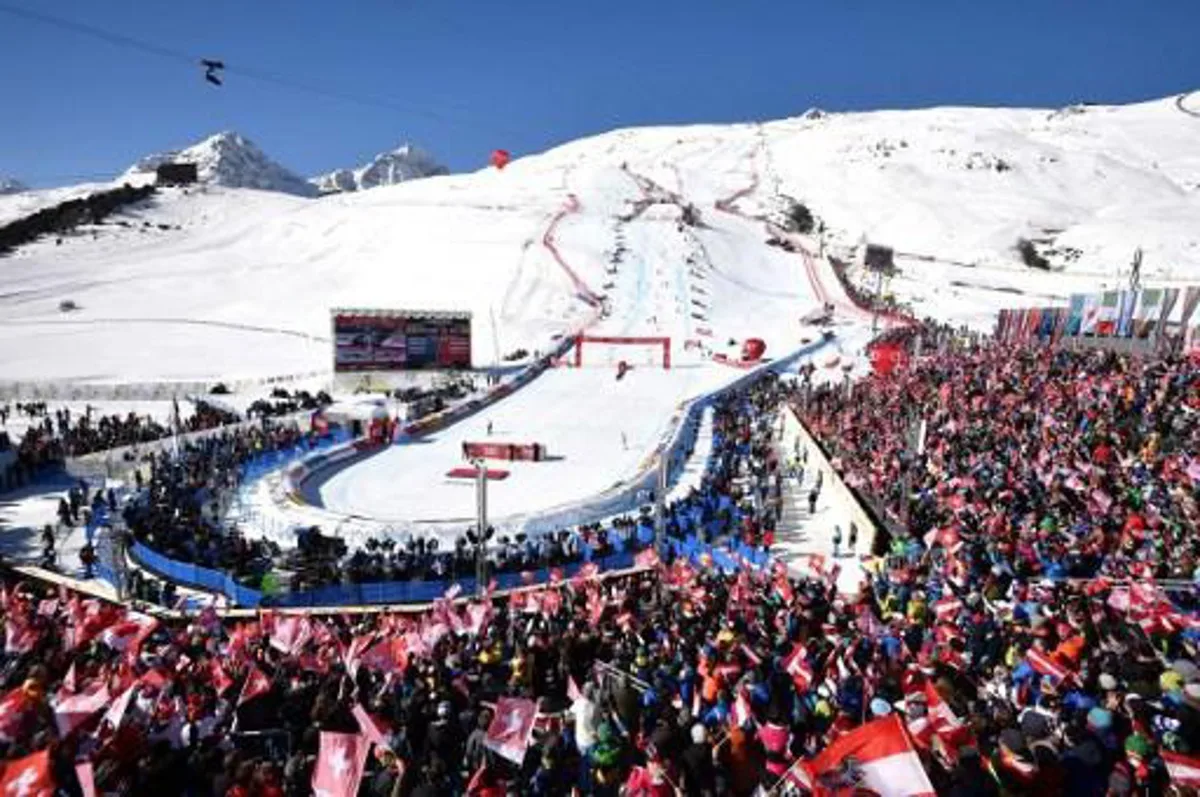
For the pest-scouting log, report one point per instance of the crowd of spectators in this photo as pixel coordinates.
(1026, 633)
(178, 510)
(53, 435)
(1056, 463)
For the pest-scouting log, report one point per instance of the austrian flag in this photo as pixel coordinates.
(877, 757)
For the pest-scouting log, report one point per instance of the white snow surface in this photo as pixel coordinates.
(596, 430)
(244, 288)
(231, 160)
(406, 162)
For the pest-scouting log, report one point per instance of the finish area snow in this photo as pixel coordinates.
(596, 430)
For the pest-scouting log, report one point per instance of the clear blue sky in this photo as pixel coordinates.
(466, 76)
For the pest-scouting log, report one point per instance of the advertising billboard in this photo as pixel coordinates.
(400, 340)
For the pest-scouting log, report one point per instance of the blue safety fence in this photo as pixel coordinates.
(190, 575)
(352, 594)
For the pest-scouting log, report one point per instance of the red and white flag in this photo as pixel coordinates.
(75, 710)
(129, 633)
(290, 633)
(19, 636)
(220, 679)
(740, 715)
(1045, 665)
(30, 776)
(48, 607)
(257, 683)
(14, 707)
(340, 763)
(371, 727)
(116, 712)
(512, 725)
(877, 756)
(1184, 770)
(86, 775)
(796, 665)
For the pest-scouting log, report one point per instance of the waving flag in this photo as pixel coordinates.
(291, 633)
(127, 635)
(19, 636)
(512, 725)
(340, 763)
(256, 684)
(877, 756)
(116, 712)
(796, 665)
(1184, 770)
(75, 710)
(14, 707)
(1044, 665)
(30, 776)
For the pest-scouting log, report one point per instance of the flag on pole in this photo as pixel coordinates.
(340, 762)
(256, 684)
(512, 725)
(796, 665)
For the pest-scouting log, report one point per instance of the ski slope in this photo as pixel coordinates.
(596, 430)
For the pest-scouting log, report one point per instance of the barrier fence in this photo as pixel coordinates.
(680, 438)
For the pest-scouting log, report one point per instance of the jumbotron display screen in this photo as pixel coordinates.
(400, 340)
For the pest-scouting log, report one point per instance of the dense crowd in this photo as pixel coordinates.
(53, 435)
(178, 510)
(1025, 634)
(1056, 463)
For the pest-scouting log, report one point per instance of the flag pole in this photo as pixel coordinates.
(783, 778)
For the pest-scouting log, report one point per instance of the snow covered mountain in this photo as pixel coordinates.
(239, 283)
(231, 160)
(10, 186)
(406, 162)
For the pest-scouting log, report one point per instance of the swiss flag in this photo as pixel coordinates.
(256, 684)
(14, 707)
(220, 679)
(512, 725)
(796, 665)
(340, 763)
(1184, 770)
(28, 777)
(75, 710)
(129, 633)
(877, 757)
(291, 633)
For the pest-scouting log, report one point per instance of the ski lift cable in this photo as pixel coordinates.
(121, 40)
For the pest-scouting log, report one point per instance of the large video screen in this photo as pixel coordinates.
(399, 340)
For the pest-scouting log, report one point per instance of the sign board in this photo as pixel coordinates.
(400, 340)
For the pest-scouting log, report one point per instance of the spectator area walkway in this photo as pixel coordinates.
(802, 538)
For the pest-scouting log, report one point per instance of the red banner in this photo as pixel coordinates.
(514, 452)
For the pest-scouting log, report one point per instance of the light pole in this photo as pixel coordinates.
(481, 525)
